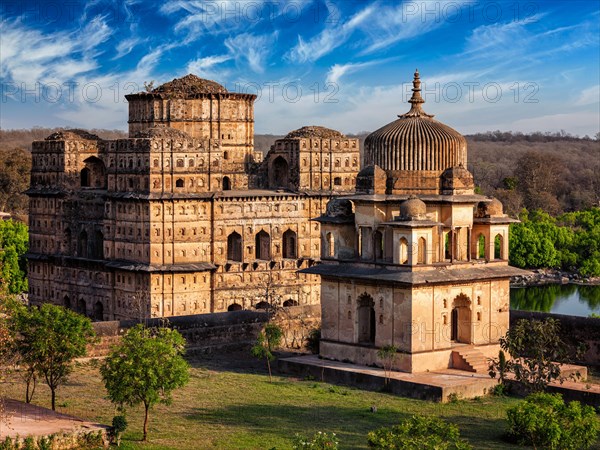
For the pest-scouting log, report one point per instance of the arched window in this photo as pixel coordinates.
(179, 183)
(82, 307)
(263, 245)
(98, 248)
(366, 319)
(156, 163)
(85, 177)
(67, 302)
(289, 244)
(280, 172)
(234, 247)
(422, 259)
(337, 181)
(226, 184)
(499, 247)
(330, 245)
(234, 307)
(481, 247)
(225, 154)
(378, 245)
(98, 311)
(290, 302)
(67, 241)
(180, 163)
(403, 251)
(82, 245)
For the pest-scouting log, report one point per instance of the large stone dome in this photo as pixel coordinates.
(314, 131)
(415, 142)
(189, 85)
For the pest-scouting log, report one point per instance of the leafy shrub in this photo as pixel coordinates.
(545, 421)
(418, 433)
(319, 441)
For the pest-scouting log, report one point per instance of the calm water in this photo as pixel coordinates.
(568, 299)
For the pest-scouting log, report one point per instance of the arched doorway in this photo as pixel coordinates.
(234, 307)
(280, 172)
(289, 244)
(290, 302)
(98, 311)
(263, 245)
(82, 307)
(67, 302)
(454, 325)
(226, 184)
(499, 247)
(461, 321)
(378, 245)
(234, 247)
(262, 305)
(366, 319)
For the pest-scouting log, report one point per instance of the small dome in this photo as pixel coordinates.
(189, 85)
(490, 208)
(315, 132)
(338, 207)
(457, 180)
(72, 135)
(413, 208)
(161, 132)
(415, 141)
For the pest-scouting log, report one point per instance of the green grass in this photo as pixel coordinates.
(233, 406)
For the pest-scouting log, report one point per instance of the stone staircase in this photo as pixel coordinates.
(471, 360)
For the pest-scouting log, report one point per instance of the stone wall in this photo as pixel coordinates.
(575, 330)
(206, 333)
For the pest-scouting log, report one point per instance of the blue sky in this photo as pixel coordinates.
(485, 65)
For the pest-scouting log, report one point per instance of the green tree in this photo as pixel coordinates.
(387, 354)
(418, 433)
(545, 421)
(15, 166)
(145, 368)
(537, 351)
(266, 342)
(14, 242)
(49, 338)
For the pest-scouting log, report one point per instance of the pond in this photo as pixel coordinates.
(570, 299)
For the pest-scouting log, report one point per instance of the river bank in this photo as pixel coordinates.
(541, 277)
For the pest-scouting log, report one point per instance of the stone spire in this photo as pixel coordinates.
(416, 100)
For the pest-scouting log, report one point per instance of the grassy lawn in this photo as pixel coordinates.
(230, 404)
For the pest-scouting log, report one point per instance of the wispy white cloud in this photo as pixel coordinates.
(206, 67)
(589, 96)
(330, 38)
(337, 71)
(395, 22)
(250, 49)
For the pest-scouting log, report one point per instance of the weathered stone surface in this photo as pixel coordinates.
(315, 132)
(189, 84)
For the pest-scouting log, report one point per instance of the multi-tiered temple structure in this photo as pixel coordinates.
(414, 259)
(182, 217)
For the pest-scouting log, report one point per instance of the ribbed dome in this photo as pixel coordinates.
(415, 141)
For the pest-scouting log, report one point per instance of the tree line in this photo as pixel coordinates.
(570, 241)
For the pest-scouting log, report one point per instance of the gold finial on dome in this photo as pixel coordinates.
(416, 100)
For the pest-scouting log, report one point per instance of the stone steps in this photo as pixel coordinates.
(474, 360)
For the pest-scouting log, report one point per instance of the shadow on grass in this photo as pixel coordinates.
(350, 424)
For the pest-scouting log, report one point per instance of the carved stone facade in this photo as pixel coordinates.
(414, 258)
(183, 217)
